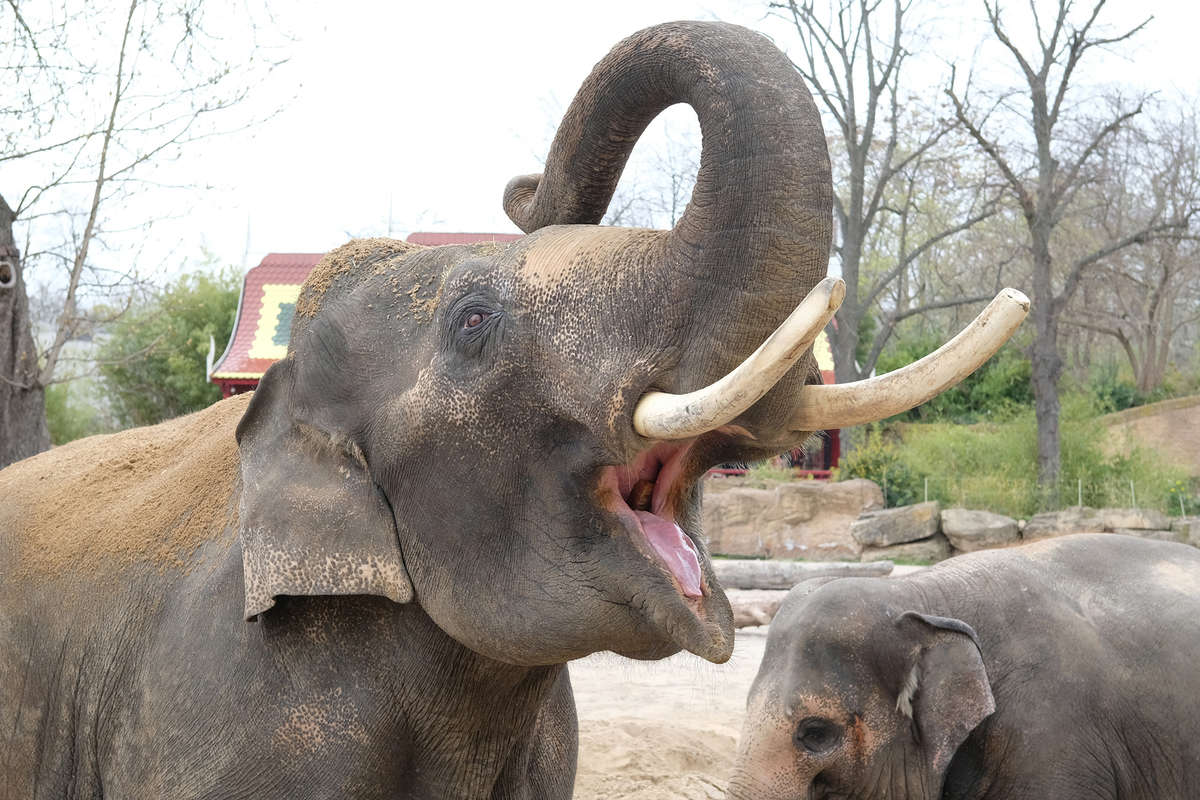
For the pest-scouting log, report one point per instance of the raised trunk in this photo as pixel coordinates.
(23, 430)
(755, 237)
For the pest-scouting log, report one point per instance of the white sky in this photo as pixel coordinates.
(431, 107)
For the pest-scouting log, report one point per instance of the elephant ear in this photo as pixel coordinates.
(946, 691)
(312, 521)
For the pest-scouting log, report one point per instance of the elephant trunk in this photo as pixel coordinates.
(755, 237)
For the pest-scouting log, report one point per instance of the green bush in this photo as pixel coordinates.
(880, 460)
(1112, 390)
(70, 416)
(153, 363)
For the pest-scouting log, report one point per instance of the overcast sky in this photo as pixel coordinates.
(427, 109)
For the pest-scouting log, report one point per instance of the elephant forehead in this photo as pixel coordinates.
(584, 258)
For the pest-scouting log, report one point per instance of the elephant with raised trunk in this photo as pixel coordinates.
(1059, 670)
(474, 464)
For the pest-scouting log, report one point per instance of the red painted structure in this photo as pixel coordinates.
(268, 301)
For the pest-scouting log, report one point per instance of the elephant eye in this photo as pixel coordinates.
(818, 735)
(475, 319)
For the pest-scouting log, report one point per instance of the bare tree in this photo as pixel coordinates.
(1145, 296)
(1045, 179)
(658, 182)
(160, 73)
(856, 75)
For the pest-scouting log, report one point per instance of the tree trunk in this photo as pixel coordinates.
(1046, 363)
(23, 430)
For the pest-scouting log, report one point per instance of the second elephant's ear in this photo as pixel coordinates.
(946, 691)
(312, 521)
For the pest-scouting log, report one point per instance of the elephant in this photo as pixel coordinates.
(1063, 669)
(474, 464)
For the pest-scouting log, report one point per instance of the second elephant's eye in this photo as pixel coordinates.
(818, 735)
(475, 319)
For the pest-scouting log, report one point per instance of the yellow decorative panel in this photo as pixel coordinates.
(275, 320)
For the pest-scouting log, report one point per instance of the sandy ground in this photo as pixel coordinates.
(665, 730)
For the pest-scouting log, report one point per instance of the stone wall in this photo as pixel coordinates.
(800, 519)
(816, 520)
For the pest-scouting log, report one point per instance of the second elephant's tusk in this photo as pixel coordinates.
(845, 404)
(678, 416)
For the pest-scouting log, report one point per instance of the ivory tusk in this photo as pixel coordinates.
(678, 416)
(845, 404)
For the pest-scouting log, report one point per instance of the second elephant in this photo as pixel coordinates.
(1064, 669)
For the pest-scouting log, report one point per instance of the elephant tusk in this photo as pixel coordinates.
(678, 416)
(845, 404)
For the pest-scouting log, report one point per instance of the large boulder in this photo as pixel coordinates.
(1188, 529)
(799, 519)
(1146, 533)
(896, 525)
(1077, 519)
(969, 530)
(1114, 519)
(925, 551)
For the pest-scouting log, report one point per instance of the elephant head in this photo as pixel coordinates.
(513, 434)
(859, 697)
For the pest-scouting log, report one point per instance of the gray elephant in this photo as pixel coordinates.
(474, 464)
(1065, 669)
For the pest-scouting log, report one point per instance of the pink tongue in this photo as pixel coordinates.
(675, 550)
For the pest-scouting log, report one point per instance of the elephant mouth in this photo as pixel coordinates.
(681, 601)
(644, 495)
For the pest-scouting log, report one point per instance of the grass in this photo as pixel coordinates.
(992, 466)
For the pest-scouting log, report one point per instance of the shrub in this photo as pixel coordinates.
(153, 363)
(70, 416)
(880, 460)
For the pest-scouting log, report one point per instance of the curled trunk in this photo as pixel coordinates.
(755, 237)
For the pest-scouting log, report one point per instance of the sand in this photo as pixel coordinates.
(665, 730)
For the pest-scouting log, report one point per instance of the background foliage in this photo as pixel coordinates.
(153, 363)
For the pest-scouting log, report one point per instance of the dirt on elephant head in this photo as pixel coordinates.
(346, 260)
(151, 495)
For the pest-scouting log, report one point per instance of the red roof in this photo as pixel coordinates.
(264, 315)
(435, 239)
(268, 301)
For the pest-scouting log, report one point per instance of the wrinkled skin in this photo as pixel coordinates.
(366, 580)
(1063, 669)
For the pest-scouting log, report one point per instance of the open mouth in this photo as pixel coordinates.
(644, 495)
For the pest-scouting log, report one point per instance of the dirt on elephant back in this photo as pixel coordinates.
(149, 495)
(663, 730)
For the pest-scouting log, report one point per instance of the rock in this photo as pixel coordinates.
(1077, 519)
(1189, 530)
(1112, 519)
(896, 525)
(970, 530)
(927, 551)
(798, 519)
(1166, 536)
(746, 573)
